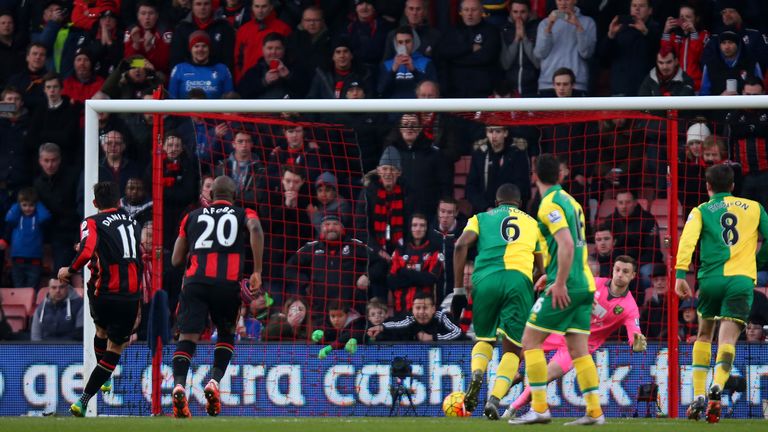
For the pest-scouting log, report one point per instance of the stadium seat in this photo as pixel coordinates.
(19, 296)
(17, 316)
(41, 296)
(606, 208)
(460, 173)
(659, 207)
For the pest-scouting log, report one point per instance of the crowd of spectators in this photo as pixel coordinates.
(378, 222)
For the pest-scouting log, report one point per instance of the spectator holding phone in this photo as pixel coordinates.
(269, 78)
(685, 36)
(565, 39)
(399, 75)
(631, 47)
(213, 79)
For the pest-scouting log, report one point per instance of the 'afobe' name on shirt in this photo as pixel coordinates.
(211, 210)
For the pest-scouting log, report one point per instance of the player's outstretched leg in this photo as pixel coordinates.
(100, 374)
(481, 355)
(723, 363)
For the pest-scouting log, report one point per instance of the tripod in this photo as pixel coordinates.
(398, 390)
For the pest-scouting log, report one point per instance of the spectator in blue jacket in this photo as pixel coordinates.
(24, 228)
(400, 74)
(213, 79)
(60, 316)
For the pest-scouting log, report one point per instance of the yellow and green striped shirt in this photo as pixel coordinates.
(507, 237)
(726, 228)
(557, 211)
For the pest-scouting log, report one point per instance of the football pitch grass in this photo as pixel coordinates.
(350, 424)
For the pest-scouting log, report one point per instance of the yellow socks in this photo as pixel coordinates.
(723, 364)
(481, 355)
(536, 371)
(702, 352)
(589, 383)
(505, 374)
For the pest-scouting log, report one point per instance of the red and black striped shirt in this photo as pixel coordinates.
(109, 245)
(216, 236)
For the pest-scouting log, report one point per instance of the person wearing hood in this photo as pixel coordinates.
(418, 155)
(732, 65)
(399, 75)
(60, 316)
(201, 72)
(667, 78)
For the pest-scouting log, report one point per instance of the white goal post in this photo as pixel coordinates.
(93, 107)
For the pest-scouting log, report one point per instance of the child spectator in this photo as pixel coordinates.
(376, 312)
(328, 201)
(755, 332)
(689, 322)
(24, 229)
(423, 324)
(293, 324)
(253, 313)
(342, 329)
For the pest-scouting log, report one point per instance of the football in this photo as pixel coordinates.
(453, 405)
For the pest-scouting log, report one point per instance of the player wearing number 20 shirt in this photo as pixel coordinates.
(212, 244)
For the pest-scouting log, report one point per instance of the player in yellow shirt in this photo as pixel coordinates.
(726, 228)
(566, 306)
(502, 293)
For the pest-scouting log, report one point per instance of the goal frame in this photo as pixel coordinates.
(669, 104)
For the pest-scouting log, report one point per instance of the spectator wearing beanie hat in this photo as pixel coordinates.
(82, 84)
(692, 187)
(213, 79)
(327, 202)
(381, 207)
(734, 61)
(329, 83)
(732, 13)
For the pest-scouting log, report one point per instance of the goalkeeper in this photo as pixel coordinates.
(613, 307)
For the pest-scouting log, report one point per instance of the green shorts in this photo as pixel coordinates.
(500, 302)
(575, 318)
(726, 297)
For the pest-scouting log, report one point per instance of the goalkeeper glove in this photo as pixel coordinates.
(459, 302)
(351, 346)
(323, 353)
(317, 335)
(639, 344)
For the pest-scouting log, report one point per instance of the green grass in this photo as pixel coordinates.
(351, 424)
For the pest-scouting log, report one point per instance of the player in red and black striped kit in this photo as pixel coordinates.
(109, 244)
(212, 244)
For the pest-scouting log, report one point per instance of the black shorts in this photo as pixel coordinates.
(197, 301)
(117, 317)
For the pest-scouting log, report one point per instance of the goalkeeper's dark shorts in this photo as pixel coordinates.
(198, 301)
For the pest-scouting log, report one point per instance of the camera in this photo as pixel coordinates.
(401, 368)
(561, 15)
